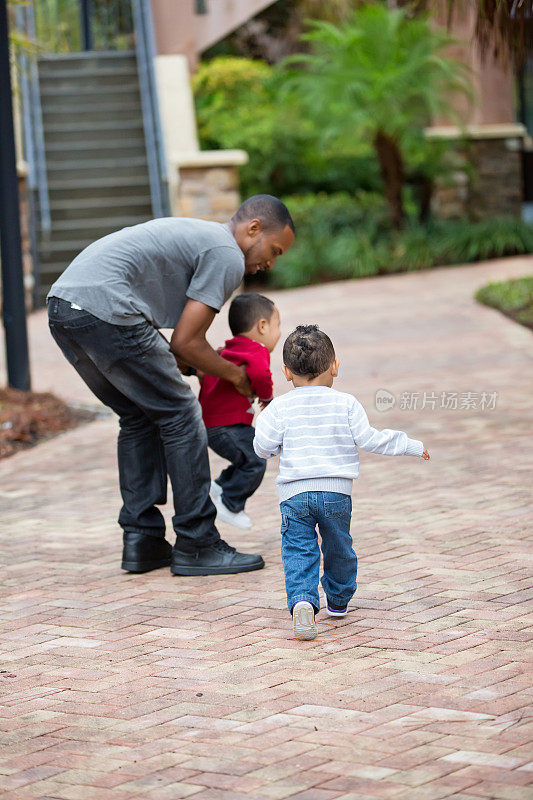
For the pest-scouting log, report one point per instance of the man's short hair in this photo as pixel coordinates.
(308, 351)
(269, 210)
(247, 309)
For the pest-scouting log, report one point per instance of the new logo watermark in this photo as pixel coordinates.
(384, 400)
(450, 401)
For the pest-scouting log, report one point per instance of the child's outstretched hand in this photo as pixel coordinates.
(425, 455)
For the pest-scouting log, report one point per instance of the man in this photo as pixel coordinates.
(104, 313)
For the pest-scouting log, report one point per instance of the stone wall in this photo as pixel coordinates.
(208, 184)
(492, 184)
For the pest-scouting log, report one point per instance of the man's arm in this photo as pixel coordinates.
(188, 344)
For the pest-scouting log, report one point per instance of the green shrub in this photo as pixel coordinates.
(238, 106)
(342, 236)
(514, 298)
(460, 242)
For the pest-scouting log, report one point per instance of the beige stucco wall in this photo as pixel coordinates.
(492, 79)
(178, 29)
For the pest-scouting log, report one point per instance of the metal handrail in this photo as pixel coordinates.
(145, 49)
(33, 123)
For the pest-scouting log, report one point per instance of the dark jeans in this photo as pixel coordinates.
(130, 369)
(245, 473)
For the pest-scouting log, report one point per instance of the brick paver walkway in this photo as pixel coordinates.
(119, 686)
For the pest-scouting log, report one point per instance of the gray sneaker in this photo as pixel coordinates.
(303, 620)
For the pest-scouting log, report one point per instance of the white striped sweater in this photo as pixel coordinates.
(316, 431)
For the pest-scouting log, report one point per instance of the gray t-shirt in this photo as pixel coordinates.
(149, 271)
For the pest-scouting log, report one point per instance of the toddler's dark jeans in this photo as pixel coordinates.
(245, 473)
(130, 369)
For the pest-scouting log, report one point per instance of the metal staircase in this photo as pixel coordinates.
(94, 147)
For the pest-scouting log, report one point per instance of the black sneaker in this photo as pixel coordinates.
(216, 559)
(142, 553)
(333, 610)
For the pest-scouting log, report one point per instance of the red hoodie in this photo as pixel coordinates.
(221, 402)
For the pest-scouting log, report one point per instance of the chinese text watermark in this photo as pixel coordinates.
(450, 401)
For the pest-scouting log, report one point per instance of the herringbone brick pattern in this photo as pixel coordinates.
(119, 686)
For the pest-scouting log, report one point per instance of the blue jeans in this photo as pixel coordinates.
(300, 552)
(131, 370)
(244, 475)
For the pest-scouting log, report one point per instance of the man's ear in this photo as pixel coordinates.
(261, 325)
(335, 368)
(254, 228)
(287, 372)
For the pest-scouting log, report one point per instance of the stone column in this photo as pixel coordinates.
(493, 185)
(208, 184)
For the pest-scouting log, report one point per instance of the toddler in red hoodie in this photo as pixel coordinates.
(228, 416)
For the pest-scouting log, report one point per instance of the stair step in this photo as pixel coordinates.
(77, 176)
(83, 72)
(96, 104)
(63, 118)
(76, 127)
(91, 203)
(96, 83)
(90, 183)
(91, 92)
(80, 155)
(73, 210)
(91, 59)
(81, 164)
(94, 137)
(97, 223)
(83, 231)
(52, 150)
(101, 189)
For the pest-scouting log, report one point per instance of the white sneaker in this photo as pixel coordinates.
(303, 620)
(239, 519)
(216, 490)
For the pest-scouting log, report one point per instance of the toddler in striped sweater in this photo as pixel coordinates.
(316, 431)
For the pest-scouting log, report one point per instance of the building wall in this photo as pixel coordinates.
(179, 29)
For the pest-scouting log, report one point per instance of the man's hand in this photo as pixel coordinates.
(242, 383)
(425, 455)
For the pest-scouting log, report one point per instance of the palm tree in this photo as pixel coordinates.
(502, 27)
(379, 76)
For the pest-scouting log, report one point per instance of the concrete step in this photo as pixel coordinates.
(85, 71)
(63, 117)
(80, 163)
(90, 105)
(84, 228)
(100, 134)
(78, 155)
(66, 236)
(89, 127)
(88, 61)
(73, 82)
(97, 172)
(72, 210)
(102, 188)
(89, 93)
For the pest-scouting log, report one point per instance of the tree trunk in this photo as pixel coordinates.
(391, 167)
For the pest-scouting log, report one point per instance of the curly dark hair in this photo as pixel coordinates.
(308, 351)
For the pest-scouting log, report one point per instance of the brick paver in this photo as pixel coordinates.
(119, 686)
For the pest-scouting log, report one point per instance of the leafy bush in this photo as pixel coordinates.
(339, 236)
(514, 298)
(238, 106)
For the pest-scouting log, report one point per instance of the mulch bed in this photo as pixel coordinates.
(27, 418)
